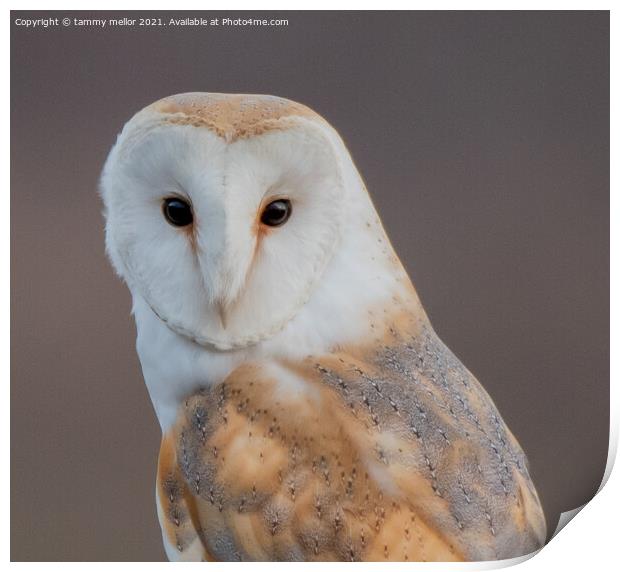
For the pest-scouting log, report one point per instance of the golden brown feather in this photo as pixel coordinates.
(395, 453)
(232, 117)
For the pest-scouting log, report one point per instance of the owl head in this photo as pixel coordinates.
(224, 211)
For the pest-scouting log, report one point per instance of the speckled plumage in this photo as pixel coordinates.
(308, 409)
(393, 452)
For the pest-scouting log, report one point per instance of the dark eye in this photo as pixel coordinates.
(177, 211)
(276, 213)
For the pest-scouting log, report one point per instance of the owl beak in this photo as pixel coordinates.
(223, 314)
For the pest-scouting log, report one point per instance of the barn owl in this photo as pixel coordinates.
(308, 409)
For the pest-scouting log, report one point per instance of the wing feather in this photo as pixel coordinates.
(395, 453)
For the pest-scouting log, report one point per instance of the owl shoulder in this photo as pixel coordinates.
(396, 454)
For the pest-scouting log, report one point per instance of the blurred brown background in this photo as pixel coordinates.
(484, 141)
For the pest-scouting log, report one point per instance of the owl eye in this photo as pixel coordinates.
(276, 213)
(177, 211)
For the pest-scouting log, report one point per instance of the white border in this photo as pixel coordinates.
(589, 541)
(267, 5)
